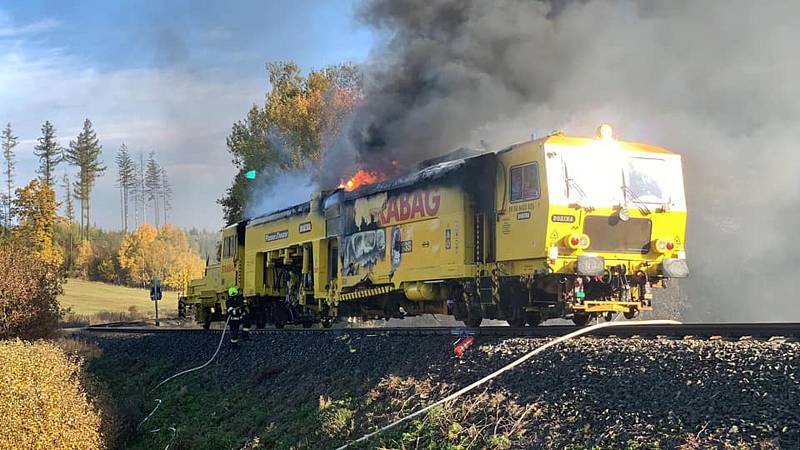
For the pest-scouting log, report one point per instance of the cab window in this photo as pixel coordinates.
(524, 182)
(228, 247)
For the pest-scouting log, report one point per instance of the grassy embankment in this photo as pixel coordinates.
(94, 302)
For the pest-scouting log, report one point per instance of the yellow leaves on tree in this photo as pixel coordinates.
(29, 289)
(307, 110)
(41, 399)
(165, 254)
(35, 210)
(84, 258)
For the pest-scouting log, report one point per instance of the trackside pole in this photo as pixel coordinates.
(155, 295)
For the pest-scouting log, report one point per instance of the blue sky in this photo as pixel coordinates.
(169, 76)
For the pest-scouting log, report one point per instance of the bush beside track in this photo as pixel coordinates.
(42, 401)
(319, 391)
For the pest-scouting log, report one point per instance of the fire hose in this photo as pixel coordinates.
(159, 401)
(500, 371)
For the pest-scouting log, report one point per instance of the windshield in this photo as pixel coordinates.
(600, 178)
(592, 178)
(647, 179)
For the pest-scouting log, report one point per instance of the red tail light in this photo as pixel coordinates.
(575, 241)
(670, 245)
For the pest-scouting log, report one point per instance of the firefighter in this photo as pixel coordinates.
(235, 304)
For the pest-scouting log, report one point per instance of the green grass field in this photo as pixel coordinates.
(90, 297)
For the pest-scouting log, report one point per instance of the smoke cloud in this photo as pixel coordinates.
(282, 191)
(713, 80)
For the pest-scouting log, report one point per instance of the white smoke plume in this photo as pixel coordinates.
(282, 191)
(713, 80)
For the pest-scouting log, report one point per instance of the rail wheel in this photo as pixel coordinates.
(473, 322)
(518, 322)
(581, 319)
(533, 318)
(205, 313)
(182, 308)
(327, 322)
(631, 313)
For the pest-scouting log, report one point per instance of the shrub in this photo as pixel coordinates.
(42, 401)
(29, 288)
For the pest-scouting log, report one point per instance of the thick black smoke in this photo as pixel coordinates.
(714, 80)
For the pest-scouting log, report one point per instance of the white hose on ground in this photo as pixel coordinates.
(221, 338)
(510, 366)
(175, 431)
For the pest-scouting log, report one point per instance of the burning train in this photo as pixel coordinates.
(554, 227)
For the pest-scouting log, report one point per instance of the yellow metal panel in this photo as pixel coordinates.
(276, 235)
(419, 235)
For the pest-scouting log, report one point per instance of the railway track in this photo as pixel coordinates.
(789, 330)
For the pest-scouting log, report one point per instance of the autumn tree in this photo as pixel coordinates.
(9, 141)
(83, 259)
(152, 184)
(29, 289)
(35, 210)
(84, 153)
(126, 181)
(48, 151)
(300, 115)
(166, 254)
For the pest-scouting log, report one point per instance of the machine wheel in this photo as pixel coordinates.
(631, 313)
(609, 316)
(473, 322)
(581, 319)
(517, 323)
(181, 308)
(327, 322)
(261, 322)
(206, 319)
(533, 318)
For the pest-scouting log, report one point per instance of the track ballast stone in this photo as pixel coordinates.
(319, 391)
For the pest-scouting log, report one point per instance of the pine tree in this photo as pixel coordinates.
(141, 197)
(49, 152)
(84, 153)
(69, 209)
(126, 180)
(152, 181)
(9, 142)
(69, 213)
(166, 194)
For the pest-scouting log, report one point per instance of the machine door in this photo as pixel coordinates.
(522, 206)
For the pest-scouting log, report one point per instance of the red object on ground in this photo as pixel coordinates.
(462, 345)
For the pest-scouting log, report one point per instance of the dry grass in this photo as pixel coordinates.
(90, 297)
(482, 420)
(42, 400)
(90, 302)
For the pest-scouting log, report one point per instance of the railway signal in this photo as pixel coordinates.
(155, 295)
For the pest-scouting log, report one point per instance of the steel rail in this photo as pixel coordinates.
(627, 330)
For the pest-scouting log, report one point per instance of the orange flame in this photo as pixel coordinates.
(361, 178)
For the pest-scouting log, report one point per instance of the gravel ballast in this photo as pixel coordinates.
(648, 393)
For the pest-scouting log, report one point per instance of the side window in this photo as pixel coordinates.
(227, 248)
(524, 182)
